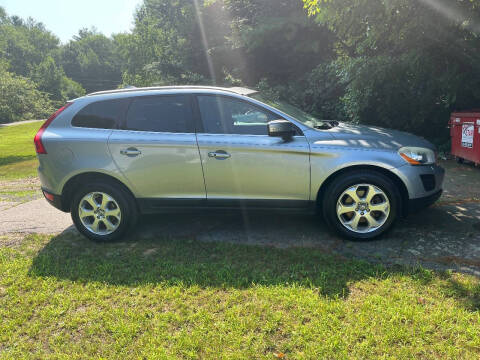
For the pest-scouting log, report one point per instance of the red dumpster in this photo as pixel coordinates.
(465, 134)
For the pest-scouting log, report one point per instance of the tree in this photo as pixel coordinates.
(24, 44)
(165, 46)
(29, 50)
(405, 64)
(19, 99)
(51, 79)
(275, 40)
(91, 60)
(222, 41)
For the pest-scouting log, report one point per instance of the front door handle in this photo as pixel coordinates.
(131, 151)
(219, 154)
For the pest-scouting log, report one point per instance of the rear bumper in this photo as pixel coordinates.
(54, 200)
(415, 205)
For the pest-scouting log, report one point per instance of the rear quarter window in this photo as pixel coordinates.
(106, 114)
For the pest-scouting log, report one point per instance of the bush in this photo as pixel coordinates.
(50, 78)
(20, 99)
(401, 93)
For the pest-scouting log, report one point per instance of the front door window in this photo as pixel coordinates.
(223, 115)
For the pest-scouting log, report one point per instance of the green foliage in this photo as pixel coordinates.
(404, 93)
(221, 42)
(48, 77)
(165, 46)
(91, 59)
(51, 79)
(20, 99)
(3, 15)
(317, 92)
(24, 44)
(32, 81)
(274, 40)
(71, 89)
(405, 64)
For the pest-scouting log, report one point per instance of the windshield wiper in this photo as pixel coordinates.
(326, 124)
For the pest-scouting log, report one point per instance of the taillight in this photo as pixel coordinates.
(48, 196)
(38, 137)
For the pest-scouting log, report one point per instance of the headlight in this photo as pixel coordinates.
(417, 155)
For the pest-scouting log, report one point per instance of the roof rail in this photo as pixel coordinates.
(236, 90)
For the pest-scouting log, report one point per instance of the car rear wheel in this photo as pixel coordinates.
(103, 211)
(361, 205)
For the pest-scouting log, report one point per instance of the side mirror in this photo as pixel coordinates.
(281, 128)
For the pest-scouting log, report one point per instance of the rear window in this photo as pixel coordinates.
(101, 114)
(171, 113)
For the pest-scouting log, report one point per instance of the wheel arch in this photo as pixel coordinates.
(85, 177)
(402, 188)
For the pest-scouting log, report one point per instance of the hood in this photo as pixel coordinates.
(375, 137)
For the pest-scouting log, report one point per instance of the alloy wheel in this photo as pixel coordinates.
(363, 208)
(99, 213)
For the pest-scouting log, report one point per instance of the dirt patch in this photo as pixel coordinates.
(11, 240)
(458, 260)
(462, 181)
(27, 183)
(20, 191)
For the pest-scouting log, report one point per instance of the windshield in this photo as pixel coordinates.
(295, 112)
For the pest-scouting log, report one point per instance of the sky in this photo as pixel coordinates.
(65, 17)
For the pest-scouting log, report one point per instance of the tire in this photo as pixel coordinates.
(370, 218)
(460, 160)
(109, 227)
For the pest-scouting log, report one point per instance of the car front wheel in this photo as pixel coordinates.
(103, 211)
(361, 205)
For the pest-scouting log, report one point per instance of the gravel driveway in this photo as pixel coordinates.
(445, 236)
(35, 216)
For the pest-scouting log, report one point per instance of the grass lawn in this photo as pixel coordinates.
(17, 152)
(18, 163)
(65, 297)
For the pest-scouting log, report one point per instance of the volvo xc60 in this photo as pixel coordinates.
(109, 156)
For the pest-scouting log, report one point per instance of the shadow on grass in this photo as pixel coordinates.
(7, 160)
(187, 262)
(468, 296)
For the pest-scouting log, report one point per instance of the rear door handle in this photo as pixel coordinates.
(219, 154)
(131, 151)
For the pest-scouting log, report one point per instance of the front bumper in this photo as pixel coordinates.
(415, 205)
(421, 181)
(424, 185)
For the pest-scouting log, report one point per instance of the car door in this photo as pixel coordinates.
(156, 149)
(241, 162)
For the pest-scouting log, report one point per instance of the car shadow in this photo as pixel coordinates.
(186, 261)
(243, 250)
(444, 236)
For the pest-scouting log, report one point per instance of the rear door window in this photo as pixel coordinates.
(105, 114)
(170, 113)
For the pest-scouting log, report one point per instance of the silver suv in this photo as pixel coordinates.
(109, 156)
